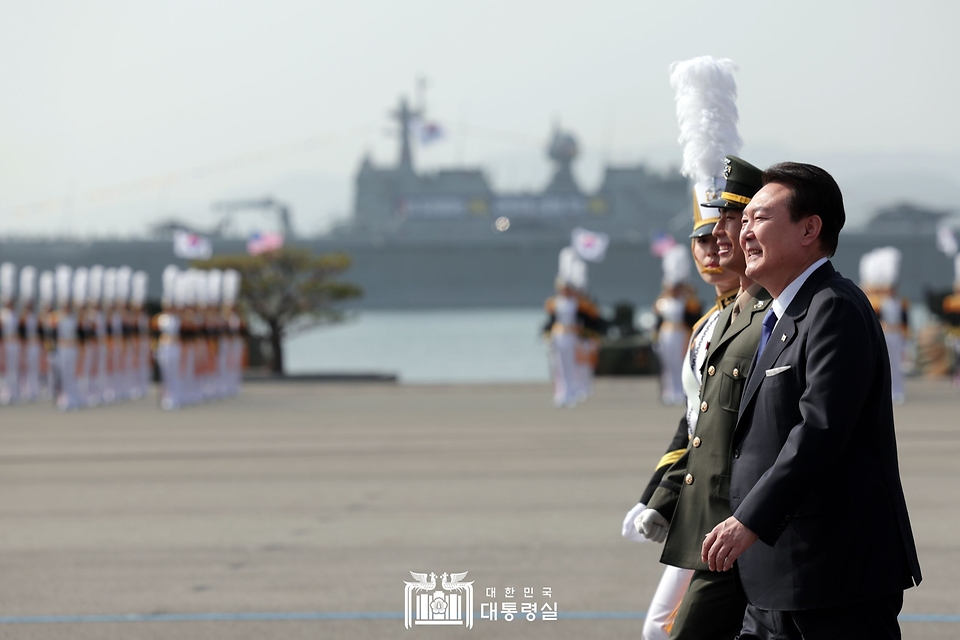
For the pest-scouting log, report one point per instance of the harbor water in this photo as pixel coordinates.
(428, 347)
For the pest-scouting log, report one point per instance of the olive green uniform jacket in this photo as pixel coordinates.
(694, 493)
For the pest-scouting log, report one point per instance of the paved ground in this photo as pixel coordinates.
(298, 509)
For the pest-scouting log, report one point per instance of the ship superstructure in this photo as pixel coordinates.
(397, 201)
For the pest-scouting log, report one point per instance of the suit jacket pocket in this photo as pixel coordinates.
(731, 390)
(721, 487)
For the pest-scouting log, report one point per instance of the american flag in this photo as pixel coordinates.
(262, 242)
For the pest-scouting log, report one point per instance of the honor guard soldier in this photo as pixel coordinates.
(169, 347)
(97, 326)
(591, 329)
(10, 336)
(562, 331)
(47, 326)
(192, 334)
(677, 309)
(141, 365)
(29, 337)
(951, 313)
(109, 392)
(215, 333)
(879, 272)
(87, 352)
(121, 349)
(235, 331)
(67, 388)
(207, 310)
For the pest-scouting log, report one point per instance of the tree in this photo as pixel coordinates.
(290, 290)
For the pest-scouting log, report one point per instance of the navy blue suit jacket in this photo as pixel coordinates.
(814, 468)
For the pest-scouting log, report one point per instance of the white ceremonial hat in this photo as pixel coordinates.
(138, 288)
(80, 277)
(8, 274)
(124, 274)
(95, 284)
(28, 278)
(64, 276)
(170, 278)
(46, 288)
(109, 286)
(706, 104)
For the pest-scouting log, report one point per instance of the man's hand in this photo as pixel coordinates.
(652, 525)
(725, 543)
(629, 530)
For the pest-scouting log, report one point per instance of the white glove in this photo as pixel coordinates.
(629, 528)
(652, 525)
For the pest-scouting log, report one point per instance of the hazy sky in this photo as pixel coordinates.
(116, 114)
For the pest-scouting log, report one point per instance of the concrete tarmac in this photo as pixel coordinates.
(298, 511)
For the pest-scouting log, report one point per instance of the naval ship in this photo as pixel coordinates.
(448, 239)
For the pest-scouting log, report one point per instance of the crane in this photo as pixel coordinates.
(268, 203)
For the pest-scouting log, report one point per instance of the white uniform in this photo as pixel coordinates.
(563, 343)
(891, 317)
(10, 380)
(169, 348)
(47, 325)
(138, 360)
(234, 358)
(879, 272)
(671, 347)
(10, 337)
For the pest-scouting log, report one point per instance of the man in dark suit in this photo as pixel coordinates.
(815, 475)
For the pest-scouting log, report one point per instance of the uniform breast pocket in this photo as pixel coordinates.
(731, 387)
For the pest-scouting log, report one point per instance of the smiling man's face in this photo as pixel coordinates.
(776, 248)
(727, 233)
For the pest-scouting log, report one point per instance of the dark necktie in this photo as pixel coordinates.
(769, 322)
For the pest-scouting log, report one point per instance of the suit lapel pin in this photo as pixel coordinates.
(783, 337)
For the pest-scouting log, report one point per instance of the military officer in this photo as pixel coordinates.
(693, 495)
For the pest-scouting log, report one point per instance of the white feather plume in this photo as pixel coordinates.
(706, 96)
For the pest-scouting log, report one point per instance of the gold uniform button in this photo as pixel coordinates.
(704, 406)
(711, 370)
(736, 373)
(696, 441)
(688, 479)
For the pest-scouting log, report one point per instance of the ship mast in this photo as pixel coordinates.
(405, 116)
